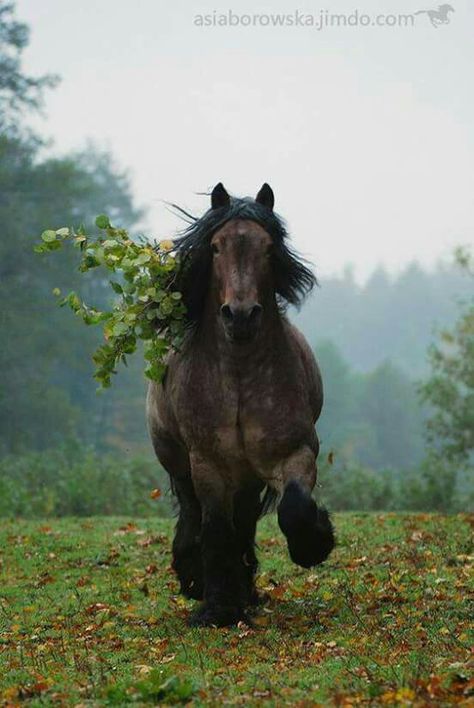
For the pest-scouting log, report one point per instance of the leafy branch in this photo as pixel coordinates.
(148, 306)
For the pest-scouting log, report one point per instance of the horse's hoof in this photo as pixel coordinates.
(308, 530)
(216, 616)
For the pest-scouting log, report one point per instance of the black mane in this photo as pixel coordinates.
(293, 279)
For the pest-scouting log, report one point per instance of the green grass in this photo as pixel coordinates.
(89, 614)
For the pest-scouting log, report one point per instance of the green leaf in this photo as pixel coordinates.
(102, 221)
(110, 243)
(142, 259)
(74, 301)
(155, 371)
(48, 236)
(99, 254)
(166, 307)
(119, 328)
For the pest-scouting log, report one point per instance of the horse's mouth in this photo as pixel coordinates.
(238, 336)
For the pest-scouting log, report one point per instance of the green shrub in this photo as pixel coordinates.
(356, 488)
(437, 485)
(74, 480)
(432, 486)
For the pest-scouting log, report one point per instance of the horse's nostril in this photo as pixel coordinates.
(240, 316)
(226, 312)
(255, 311)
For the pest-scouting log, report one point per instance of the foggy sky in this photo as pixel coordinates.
(365, 134)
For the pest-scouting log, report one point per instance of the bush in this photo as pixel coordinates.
(437, 486)
(357, 488)
(74, 480)
(432, 486)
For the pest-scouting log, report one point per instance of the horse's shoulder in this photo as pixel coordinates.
(310, 367)
(159, 405)
(301, 344)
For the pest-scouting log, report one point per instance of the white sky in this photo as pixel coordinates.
(365, 134)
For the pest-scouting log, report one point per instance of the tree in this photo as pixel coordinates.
(46, 389)
(385, 318)
(17, 90)
(340, 429)
(372, 419)
(389, 406)
(449, 391)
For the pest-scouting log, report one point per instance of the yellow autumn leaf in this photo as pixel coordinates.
(9, 694)
(405, 694)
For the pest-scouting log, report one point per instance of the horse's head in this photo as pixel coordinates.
(241, 269)
(446, 9)
(236, 259)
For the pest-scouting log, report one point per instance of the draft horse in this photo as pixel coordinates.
(233, 422)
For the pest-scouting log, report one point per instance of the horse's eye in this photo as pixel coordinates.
(215, 249)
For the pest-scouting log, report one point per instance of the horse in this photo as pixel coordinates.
(439, 16)
(233, 421)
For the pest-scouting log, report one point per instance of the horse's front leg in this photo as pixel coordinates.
(224, 591)
(187, 561)
(308, 529)
(247, 507)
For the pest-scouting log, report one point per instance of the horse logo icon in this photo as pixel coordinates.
(438, 17)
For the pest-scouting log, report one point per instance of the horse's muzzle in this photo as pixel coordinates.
(241, 322)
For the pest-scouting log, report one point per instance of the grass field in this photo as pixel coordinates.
(90, 615)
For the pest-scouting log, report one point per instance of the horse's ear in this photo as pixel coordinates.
(219, 197)
(266, 197)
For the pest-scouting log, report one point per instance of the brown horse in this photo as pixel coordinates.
(233, 422)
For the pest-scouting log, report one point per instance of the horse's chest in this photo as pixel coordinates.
(208, 409)
(270, 423)
(239, 419)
